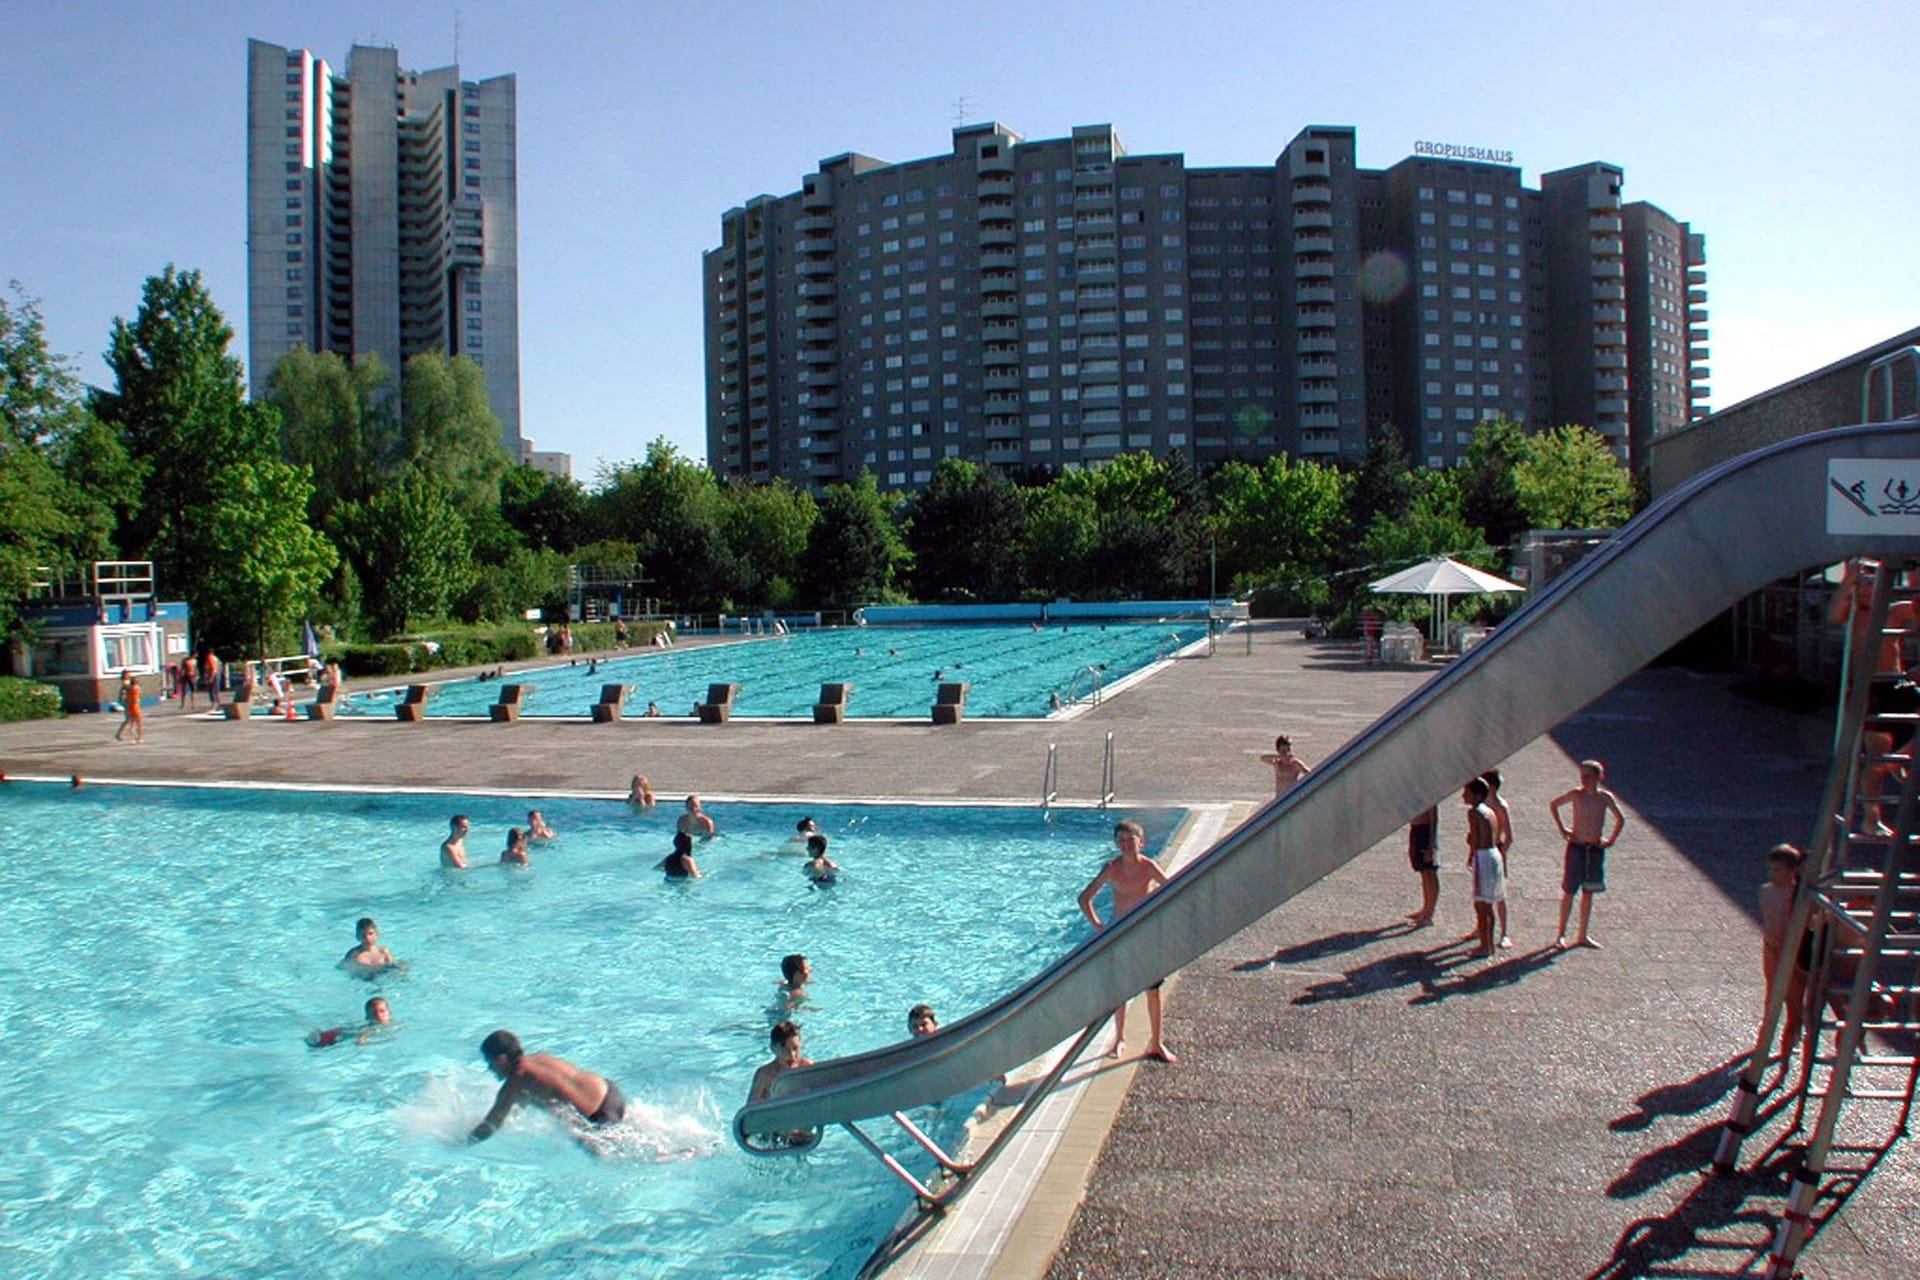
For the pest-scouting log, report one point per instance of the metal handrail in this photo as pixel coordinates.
(1050, 780)
(1884, 365)
(1106, 774)
(1095, 680)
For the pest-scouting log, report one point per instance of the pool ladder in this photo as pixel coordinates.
(1050, 779)
(1088, 682)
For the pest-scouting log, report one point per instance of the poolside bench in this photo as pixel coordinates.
(951, 705)
(613, 701)
(413, 707)
(832, 707)
(324, 705)
(718, 708)
(507, 709)
(241, 706)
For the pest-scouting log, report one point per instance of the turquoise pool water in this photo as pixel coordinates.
(1014, 670)
(171, 948)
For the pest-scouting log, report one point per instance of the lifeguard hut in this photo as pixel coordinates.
(82, 627)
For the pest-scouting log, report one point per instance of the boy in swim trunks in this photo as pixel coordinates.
(1423, 853)
(820, 868)
(1288, 768)
(379, 1017)
(453, 850)
(368, 959)
(1587, 844)
(547, 1080)
(1485, 863)
(1132, 876)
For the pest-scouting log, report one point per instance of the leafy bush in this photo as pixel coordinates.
(28, 700)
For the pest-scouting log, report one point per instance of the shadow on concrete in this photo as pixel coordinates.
(1686, 1098)
(1702, 1224)
(1503, 974)
(1332, 945)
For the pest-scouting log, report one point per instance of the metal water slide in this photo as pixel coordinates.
(1809, 502)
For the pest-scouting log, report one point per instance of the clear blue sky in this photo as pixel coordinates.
(1782, 130)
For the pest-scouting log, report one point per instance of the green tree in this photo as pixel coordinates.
(1063, 530)
(1279, 521)
(336, 418)
(275, 563)
(410, 544)
(966, 531)
(1384, 484)
(1569, 479)
(53, 497)
(180, 408)
(549, 512)
(854, 551)
(766, 527)
(448, 431)
(1490, 497)
(1433, 524)
(524, 579)
(669, 507)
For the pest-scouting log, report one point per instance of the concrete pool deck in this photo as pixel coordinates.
(1353, 1100)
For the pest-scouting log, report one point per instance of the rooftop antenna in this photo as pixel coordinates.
(456, 37)
(961, 108)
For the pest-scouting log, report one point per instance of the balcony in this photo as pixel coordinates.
(996, 211)
(1314, 318)
(826, 440)
(1313, 220)
(1698, 391)
(1609, 269)
(1696, 276)
(1698, 373)
(1319, 395)
(818, 196)
(1609, 336)
(824, 468)
(1312, 293)
(1609, 359)
(1097, 269)
(823, 401)
(1610, 293)
(1695, 336)
(1605, 247)
(1314, 342)
(816, 244)
(1002, 403)
(1001, 161)
(819, 355)
(1319, 418)
(1611, 407)
(1314, 269)
(1696, 297)
(1319, 442)
(999, 308)
(1311, 169)
(1609, 315)
(816, 288)
(820, 376)
(1004, 429)
(1000, 331)
(1312, 193)
(996, 237)
(1604, 224)
(1001, 380)
(999, 259)
(1697, 315)
(1319, 368)
(815, 267)
(995, 186)
(813, 222)
(818, 333)
(1611, 382)
(1312, 243)
(1000, 355)
(816, 312)
(1003, 453)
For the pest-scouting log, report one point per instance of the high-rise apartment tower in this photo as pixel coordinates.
(381, 216)
(1053, 303)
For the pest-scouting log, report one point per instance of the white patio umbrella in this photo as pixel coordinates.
(1442, 578)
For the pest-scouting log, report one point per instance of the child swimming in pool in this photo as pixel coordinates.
(367, 958)
(796, 971)
(537, 828)
(820, 868)
(379, 1019)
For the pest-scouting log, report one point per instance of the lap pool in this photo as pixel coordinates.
(1013, 670)
(172, 948)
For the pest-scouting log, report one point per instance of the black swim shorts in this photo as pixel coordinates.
(1423, 847)
(613, 1107)
(1586, 869)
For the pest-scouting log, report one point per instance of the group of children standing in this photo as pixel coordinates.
(1588, 818)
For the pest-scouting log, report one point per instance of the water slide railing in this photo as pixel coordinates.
(1692, 554)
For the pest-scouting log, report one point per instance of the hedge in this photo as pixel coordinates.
(471, 647)
(28, 700)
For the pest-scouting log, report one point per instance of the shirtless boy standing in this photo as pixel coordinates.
(1486, 864)
(453, 850)
(1288, 768)
(547, 1080)
(368, 958)
(1587, 845)
(695, 822)
(1132, 877)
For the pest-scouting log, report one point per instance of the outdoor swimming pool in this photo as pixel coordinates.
(173, 946)
(1013, 671)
